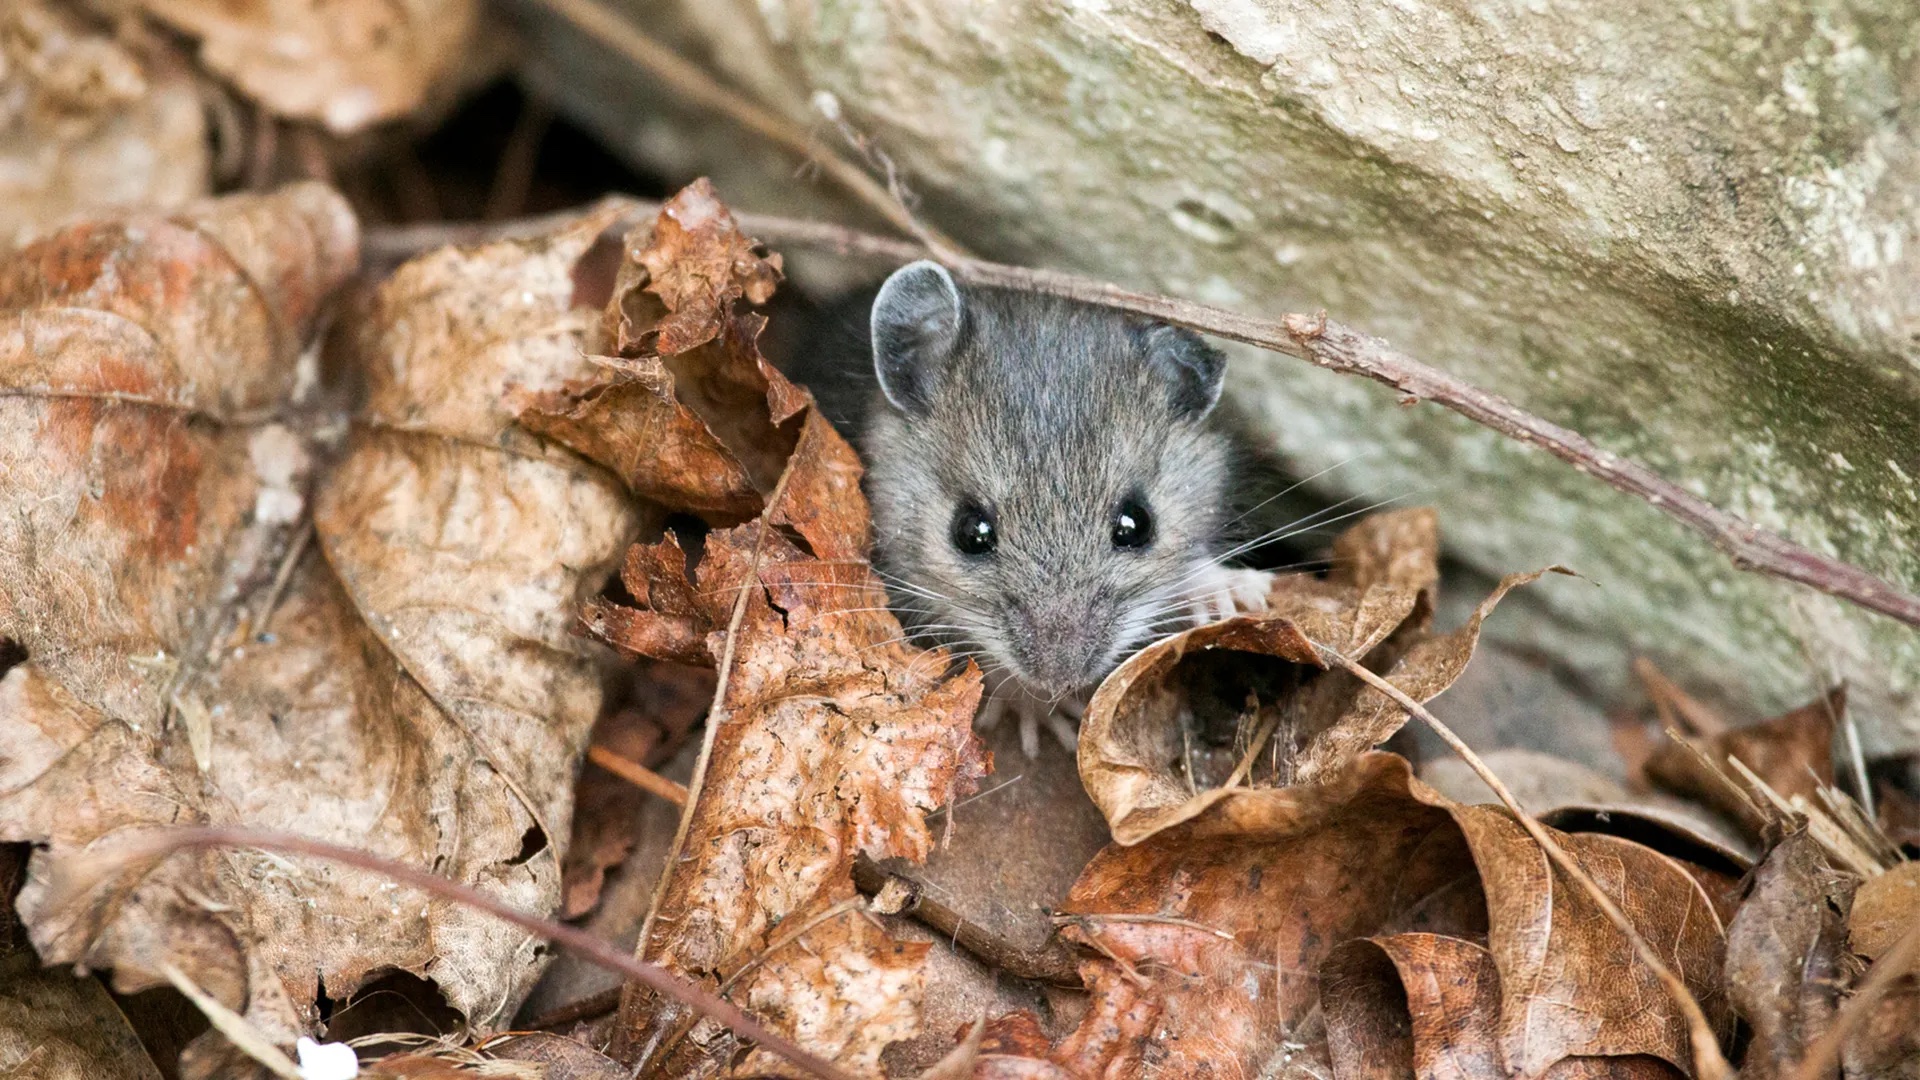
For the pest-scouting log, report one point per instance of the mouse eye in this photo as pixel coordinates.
(973, 531)
(1132, 525)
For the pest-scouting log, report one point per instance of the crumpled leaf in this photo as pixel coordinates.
(55, 1024)
(1206, 942)
(1792, 753)
(408, 684)
(837, 737)
(1297, 722)
(87, 123)
(687, 412)
(1786, 959)
(1570, 985)
(347, 63)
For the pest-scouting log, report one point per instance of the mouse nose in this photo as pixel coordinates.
(1057, 644)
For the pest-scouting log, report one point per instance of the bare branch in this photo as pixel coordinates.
(1323, 343)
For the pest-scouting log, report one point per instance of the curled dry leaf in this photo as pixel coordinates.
(1786, 955)
(87, 123)
(408, 684)
(687, 412)
(1289, 720)
(346, 64)
(836, 737)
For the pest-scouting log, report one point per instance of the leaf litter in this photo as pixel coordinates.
(369, 614)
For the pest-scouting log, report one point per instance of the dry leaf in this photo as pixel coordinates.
(345, 63)
(1886, 905)
(1785, 956)
(1792, 752)
(54, 1024)
(1206, 941)
(688, 413)
(837, 737)
(408, 684)
(1138, 740)
(1570, 985)
(89, 124)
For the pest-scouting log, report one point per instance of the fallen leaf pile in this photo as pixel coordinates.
(369, 560)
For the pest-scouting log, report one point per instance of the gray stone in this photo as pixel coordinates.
(1689, 231)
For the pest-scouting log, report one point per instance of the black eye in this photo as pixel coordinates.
(1132, 525)
(973, 531)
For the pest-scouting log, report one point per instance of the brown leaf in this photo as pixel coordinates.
(1785, 961)
(346, 64)
(54, 1024)
(1207, 938)
(1137, 738)
(409, 686)
(688, 413)
(1423, 1005)
(1792, 752)
(1886, 905)
(837, 736)
(1570, 985)
(89, 124)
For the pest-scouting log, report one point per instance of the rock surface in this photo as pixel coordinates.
(1691, 232)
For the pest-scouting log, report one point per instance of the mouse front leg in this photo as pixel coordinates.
(1221, 592)
(1061, 718)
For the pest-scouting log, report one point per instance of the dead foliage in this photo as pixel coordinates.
(354, 585)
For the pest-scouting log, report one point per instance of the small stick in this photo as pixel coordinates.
(638, 775)
(1707, 1058)
(1320, 342)
(159, 843)
(1051, 965)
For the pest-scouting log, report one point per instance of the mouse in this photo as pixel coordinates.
(1051, 482)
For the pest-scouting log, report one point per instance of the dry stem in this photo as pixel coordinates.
(1316, 340)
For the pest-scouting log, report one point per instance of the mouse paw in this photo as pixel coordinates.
(1061, 718)
(1222, 592)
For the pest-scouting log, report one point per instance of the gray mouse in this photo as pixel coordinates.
(1050, 482)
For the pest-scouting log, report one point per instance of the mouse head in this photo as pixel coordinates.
(1044, 478)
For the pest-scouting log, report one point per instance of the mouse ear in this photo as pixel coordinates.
(1196, 369)
(916, 323)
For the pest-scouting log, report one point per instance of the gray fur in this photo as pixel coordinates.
(1049, 413)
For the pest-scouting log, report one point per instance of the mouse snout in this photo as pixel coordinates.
(1057, 644)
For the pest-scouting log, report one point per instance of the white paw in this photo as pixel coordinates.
(1061, 718)
(1221, 592)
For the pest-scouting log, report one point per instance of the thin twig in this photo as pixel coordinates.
(157, 844)
(1707, 1058)
(1893, 965)
(1322, 343)
(638, 775)
(1052, 965)
(694, 86)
